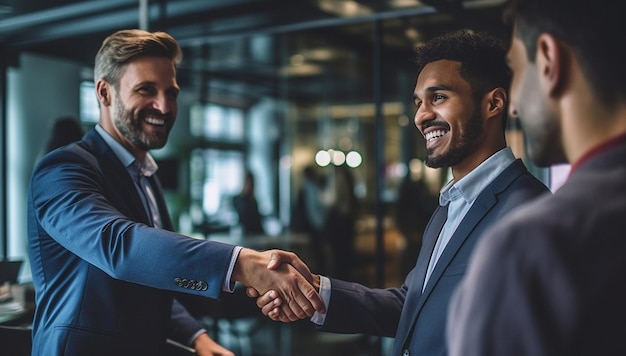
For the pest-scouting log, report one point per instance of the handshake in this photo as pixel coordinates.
(285, 288)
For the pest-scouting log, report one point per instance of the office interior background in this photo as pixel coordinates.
(269, 86)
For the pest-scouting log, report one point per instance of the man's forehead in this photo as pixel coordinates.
(154, 70)
(440, 69)
(443, 74)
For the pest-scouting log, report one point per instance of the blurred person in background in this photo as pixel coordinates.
(414, 206)
(65, 130)
(247, 207)
(339, 227)
(309, 214)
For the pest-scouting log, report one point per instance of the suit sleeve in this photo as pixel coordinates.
(88, 208)
(355, 308)
(184, 326)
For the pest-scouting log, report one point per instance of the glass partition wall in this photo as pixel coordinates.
(273, 104)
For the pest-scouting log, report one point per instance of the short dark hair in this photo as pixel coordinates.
(125, 45)
(594, 30)
(482, 58)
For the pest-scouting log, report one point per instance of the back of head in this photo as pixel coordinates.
(594, 31)
(482, 58)
(248, 183)
(125, 45)
(64, 131)
(309, 172)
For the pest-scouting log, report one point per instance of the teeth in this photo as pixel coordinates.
(434, 134)
(154, 121)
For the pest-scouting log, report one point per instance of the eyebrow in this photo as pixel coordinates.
(154, 84)
(434, 88)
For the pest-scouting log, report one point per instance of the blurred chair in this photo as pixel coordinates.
(15, 340)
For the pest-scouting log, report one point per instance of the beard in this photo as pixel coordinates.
(130, 126)
(461, 147)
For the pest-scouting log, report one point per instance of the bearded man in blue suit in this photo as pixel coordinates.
(105, 262)
(461, 101)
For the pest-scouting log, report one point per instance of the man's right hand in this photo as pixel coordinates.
(270, 303)
(289, 278)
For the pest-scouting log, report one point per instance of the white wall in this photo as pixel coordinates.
(40, 89)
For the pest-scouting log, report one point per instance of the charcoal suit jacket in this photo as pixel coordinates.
(547, 279)
(417, 320)
(104, 279)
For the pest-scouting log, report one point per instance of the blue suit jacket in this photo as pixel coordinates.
(394, 312)
(104, 279)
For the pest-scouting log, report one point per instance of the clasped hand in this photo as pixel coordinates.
(283, 275)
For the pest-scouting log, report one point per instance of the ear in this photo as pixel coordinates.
(495, 102)
(103, 92)
(550, 64)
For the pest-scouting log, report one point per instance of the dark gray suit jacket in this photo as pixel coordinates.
(104, 279)
(417, 320)
(548, 279)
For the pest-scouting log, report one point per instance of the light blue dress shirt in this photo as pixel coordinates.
(147, 168)
(460, 195)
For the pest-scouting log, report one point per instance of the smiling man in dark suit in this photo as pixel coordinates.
(105, 262)
(461, 101)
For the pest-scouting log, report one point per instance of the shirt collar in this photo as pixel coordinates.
(475, 181)
(603, 147)
(146, 168)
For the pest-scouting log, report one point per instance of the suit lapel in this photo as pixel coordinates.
(115, 172)
(485, 201)
(431, 235)
(415, 299)
(481, 207)
(415, 279)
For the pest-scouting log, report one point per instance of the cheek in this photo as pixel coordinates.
(458, 114)
(135, 106)
(518, 92)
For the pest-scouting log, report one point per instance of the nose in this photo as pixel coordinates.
(164, 103)
(513, 114)
(423, 114)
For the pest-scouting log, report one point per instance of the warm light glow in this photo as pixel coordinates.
(322, 158)
(403, 120)
(344, 8)
(353, 159)
(297, 59)
(345, 143)
(416, 166)
(338, 157)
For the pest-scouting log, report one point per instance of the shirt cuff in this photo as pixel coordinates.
(195, 336)
(319, 318)
(229, 286)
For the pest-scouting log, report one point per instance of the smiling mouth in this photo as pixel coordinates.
(154, 121)
(433, 135)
